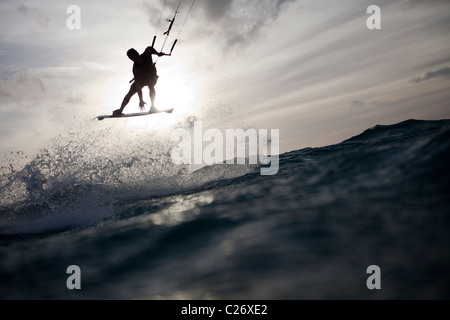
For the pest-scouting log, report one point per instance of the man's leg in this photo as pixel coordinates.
(152, 96)
(133, 90)
(151, 87)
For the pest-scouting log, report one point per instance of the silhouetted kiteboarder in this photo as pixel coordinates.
(144, 69)
(145, 75)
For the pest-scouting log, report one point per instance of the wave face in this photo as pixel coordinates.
(140, 227)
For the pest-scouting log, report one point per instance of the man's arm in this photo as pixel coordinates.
(142, 103)
(151, 50)
(138, 85)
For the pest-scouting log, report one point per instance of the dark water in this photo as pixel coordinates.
(226, 232)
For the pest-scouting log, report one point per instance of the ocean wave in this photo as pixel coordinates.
(74, 184)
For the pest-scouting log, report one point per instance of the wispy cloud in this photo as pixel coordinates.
(230, 22)
(22, 87)
(369, 104)
(440, 73)
(37, 14)
(216, 9)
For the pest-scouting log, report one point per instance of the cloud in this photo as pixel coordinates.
(233, 22)
(441, 73)
(23, 117)
(216, 9)
(153, 12)
(358, 104)
(369, 104)
(243, 20)
(412, 3)
(38, 16)
(22, 87)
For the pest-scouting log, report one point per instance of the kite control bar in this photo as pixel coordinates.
(171, 49)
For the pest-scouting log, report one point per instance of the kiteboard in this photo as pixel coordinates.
(138, 114)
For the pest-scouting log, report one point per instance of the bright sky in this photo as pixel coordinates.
(310, 68)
